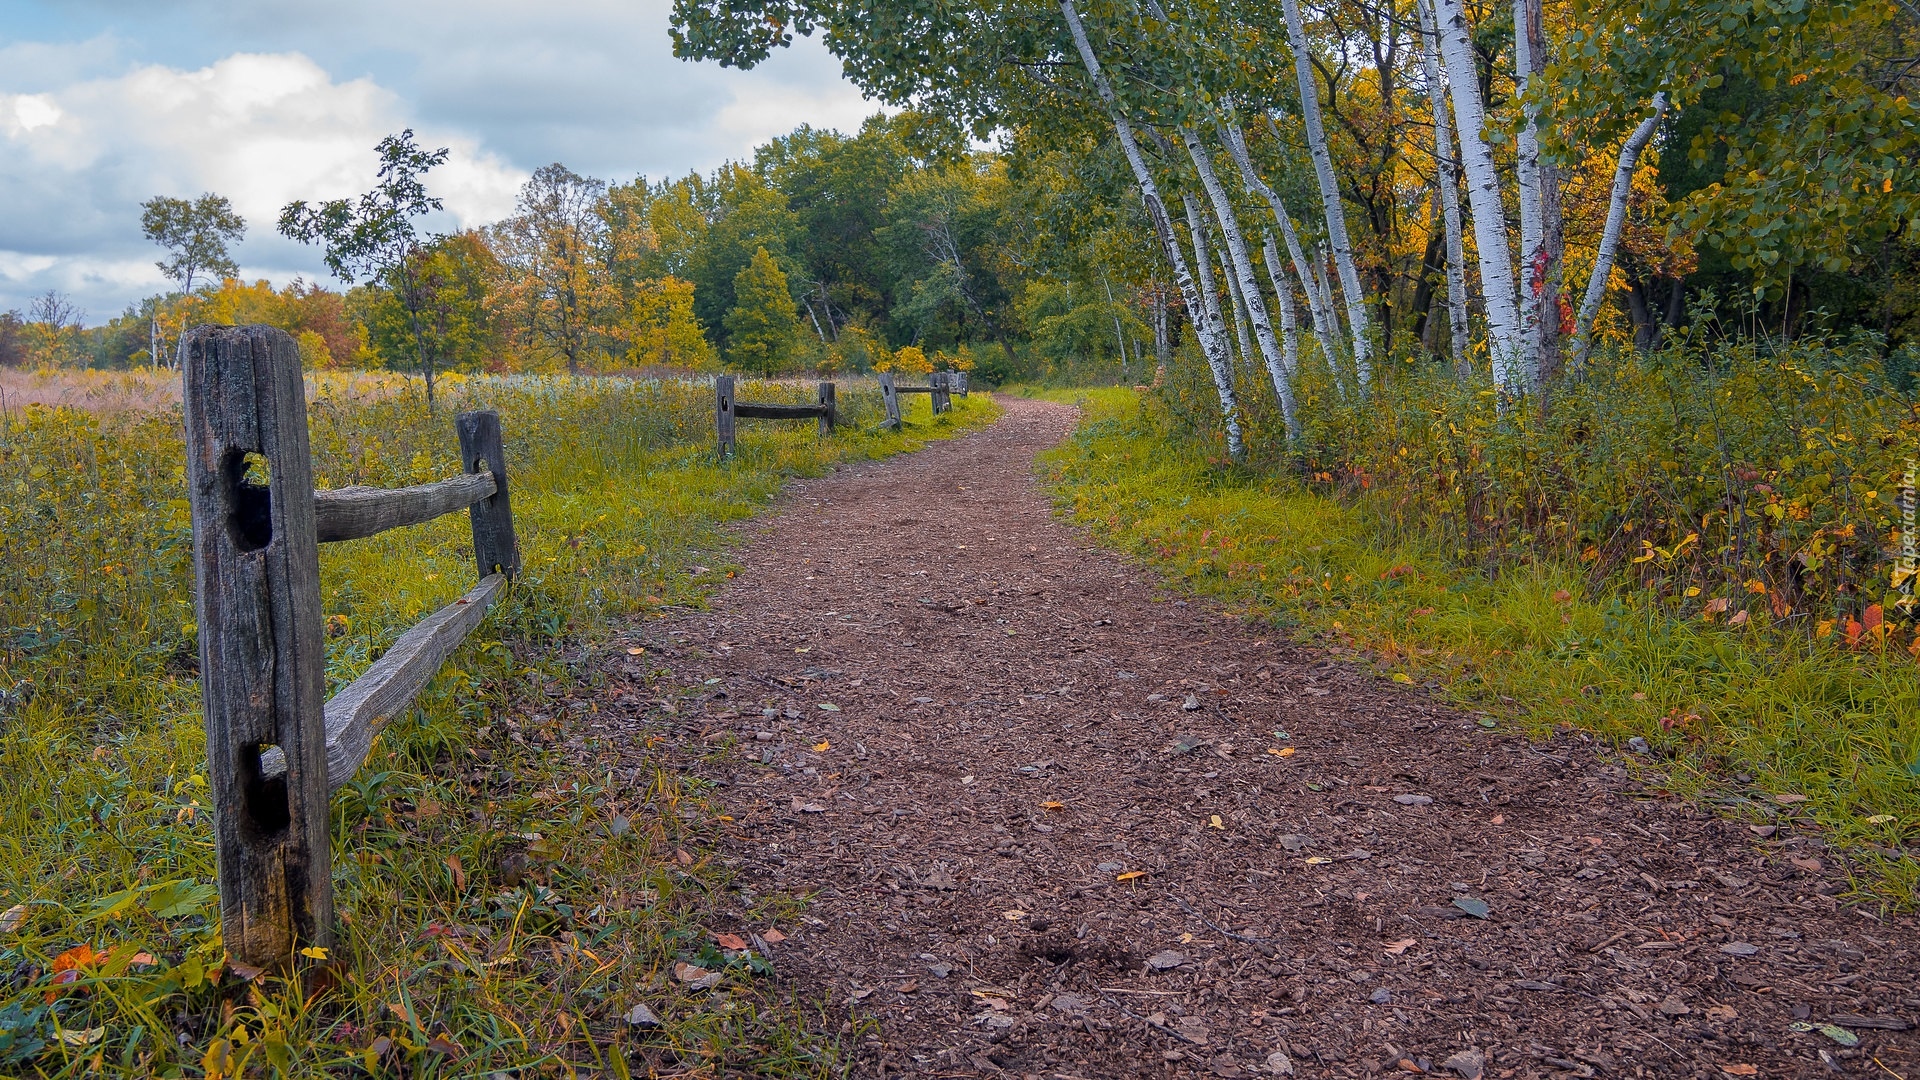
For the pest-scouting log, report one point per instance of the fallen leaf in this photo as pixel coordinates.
(1472, 905)
(908, 987)
(822, 746)
(1832, 1031)
(1673, 1006)
(1398, 947)
(314, 952)
(1284, 751)
(1763, 830)
(1216, 822)
(1053, 805)
(1722, 1013)
(1499, 819)
(807, 807)
(441, 1044)
(1317, 860)
(247, 972)
(80, 1036)
(1740, 1070)
(1166, 960)
(828, 706)
(730, 941)
(1877, 819)
(405, 1014)
(1788, 800)
(459, 873)
(11, 918)
(1130, 875)
(636, 652)
(1402, 677)
(1810, 865)
(642, 1017)
(1014, 916)
(1470, 1064)
(774, 937)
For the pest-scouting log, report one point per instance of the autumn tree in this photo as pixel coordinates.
(555, 253)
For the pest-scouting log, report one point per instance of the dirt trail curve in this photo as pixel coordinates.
(1025, 721)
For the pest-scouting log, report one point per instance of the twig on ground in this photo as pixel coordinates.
(1184, 906)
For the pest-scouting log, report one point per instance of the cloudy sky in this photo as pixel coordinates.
(105, 103)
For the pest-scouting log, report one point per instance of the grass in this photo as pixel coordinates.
(1775, 728)
(505, 894)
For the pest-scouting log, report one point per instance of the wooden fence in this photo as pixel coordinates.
(276, 747)
(940, 388)
(727, 410)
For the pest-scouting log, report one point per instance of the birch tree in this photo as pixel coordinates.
(1446, 168)
(1483, 195)
(1610, 235)
(1319, 305)
(1210, 342)
(1358, 322)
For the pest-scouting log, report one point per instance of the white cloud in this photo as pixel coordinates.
(260, 129)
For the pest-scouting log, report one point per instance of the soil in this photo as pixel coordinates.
(1055, 821)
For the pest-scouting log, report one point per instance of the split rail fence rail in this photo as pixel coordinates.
(276, 747)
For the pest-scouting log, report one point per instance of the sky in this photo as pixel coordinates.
(107, 103)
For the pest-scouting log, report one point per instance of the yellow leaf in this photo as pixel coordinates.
(1053, 805)
(1014, 916)
(636, 652)
(11, 918)
(822, 746)
(1317, 860)
(314, 952)
(1284, 751)
(1216, 822)
(1402, 677)
(1130, 875)
(1880, 819)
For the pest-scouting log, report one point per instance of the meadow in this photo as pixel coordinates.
(1694, 557)
(503, 900)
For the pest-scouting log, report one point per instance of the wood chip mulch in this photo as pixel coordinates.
(1057, 822)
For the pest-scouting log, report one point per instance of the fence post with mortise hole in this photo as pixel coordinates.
(890, 399)
(496, 547)
(262, 654)
(723, 414)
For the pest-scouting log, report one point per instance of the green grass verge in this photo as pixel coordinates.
(505, 894)
(1770, 727)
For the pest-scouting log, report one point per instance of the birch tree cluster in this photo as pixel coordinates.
(1333, 189)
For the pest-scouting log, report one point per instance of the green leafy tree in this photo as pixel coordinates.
(454, 276)
(762, 328)
(195, 234)
(374, 238)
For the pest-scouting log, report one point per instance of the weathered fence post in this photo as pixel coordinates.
(890, 399)
(723, 413)
(495, 545)
(940, 381)
(826, 399)
(960, 383)
(262, 654)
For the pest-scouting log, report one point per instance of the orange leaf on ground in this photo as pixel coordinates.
(1398, 947)
(1740, 1070)
(730, 941)
(773, 937)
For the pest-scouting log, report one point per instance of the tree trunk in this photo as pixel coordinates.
(1330, 195)
(1247, 285)
(1447, 180)
(1289, 317)
(1483, 194)
(1610, 235)
(1163, 231)
(1527, 178)
(1319, 306)
(1203, 263)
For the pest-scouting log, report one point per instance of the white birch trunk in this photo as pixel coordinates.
(1247, 285)
(1527, 176)
(1289, 315)
(1210, 343)
(1240, 317)
(1447, 178)
(1319, 305)
(1610, 236)
(1203, 268)
(1358, 322)
(1483, 195)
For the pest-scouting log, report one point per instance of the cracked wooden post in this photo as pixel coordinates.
(940, 381)
(826, 399)
(262, 652)
(723, 414)
(496, 548)
(890, 399)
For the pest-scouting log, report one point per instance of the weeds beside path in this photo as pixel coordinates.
(1051, 820)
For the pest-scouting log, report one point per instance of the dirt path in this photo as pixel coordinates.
(1048, 834)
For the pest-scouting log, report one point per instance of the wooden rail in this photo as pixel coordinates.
(276, 748)
(939, 386)
(727, 410)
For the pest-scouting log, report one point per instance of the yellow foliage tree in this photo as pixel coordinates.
(662, 329)
(906, 360)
